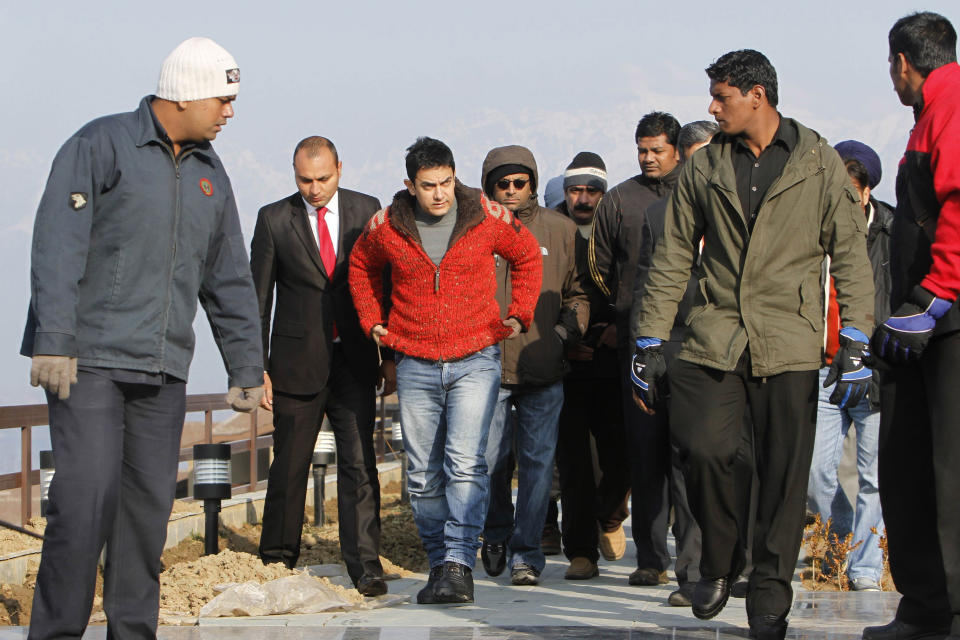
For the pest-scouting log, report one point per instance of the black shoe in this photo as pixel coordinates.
(370, 586)
(455, 585)
(768, 627)
(524, 574)
(710, 597)
(494, 557)
(426, 596)
(682, 597)
(550, 540)
(900, 630)
(739, 589)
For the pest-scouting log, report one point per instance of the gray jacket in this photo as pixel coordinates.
(126, 240)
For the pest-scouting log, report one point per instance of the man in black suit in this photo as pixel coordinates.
(319, 361)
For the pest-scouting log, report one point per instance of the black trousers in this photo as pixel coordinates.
(919, 482)
(657, 484)
(706, 417)
(116, 447)
(591, 406)
(351, 407)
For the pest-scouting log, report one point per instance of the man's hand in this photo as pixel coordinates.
(609, 336)
(54, 373)
(580, 353)
(514, 325)
(387, 377)
(848, 370)
(377, 332)
(904, 336)
(267, 400)
(244, 399)
(647, 368)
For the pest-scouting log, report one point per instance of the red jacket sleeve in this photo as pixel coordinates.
(367, 260)
(944, 277)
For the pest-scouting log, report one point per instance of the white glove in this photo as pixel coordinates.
(54, 373)
(244, 399)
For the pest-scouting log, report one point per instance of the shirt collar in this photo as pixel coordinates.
(333, 207)
(150, 129)
(786, 136)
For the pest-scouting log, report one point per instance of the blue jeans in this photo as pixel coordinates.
(824, 493)
(445, 412)
(535, 431)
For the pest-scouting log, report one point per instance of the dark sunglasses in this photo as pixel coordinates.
(518, 184)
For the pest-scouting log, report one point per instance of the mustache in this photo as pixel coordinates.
(583, 207)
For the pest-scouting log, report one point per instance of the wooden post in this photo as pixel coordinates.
(26, 497)
(208, 426)
(253, 449)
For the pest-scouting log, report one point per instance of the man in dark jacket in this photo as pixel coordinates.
(533, 366)
(137, 222)
(919, 430)
(614, 252)
(769, 200)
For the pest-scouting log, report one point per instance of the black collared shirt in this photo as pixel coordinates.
(755, 175)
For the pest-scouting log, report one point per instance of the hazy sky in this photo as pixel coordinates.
(558, 77)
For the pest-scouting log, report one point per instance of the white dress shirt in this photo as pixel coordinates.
(332, 219)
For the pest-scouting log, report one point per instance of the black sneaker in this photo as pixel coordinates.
(426, 596)
(524, 574)
(494, 557)
(455, 585)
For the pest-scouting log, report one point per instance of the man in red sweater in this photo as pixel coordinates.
(919, 424)
(443, 321)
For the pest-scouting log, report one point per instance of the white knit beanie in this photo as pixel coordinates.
(198, 68)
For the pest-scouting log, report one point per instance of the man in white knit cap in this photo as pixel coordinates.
(136, 224)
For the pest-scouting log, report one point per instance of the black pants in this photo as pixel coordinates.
(591, 406)
(116, 447)
(351, 407)
(706, 417)
(657, 485)
(919, 482)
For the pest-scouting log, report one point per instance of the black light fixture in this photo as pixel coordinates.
(211, 483)
(46, 477)
(324, 453)
(396, 443)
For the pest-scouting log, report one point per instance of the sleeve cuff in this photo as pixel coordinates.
(54, 344)
(246, 377)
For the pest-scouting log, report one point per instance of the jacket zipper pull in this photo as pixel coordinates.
(436, 280)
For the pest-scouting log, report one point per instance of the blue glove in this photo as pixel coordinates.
(903, 337)
(647, 368)
(848, 370)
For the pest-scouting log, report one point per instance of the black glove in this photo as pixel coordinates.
(904, 336)
(647, 368)
(848, 371)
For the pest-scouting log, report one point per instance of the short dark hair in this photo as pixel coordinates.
(694, 133)
(312, 146)
(927, 40)
(656, 123)
(857, 171)
(427, 153)
(744, 69)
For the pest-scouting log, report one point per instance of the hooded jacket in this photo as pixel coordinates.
(760, 290)
(443, 311)
(536, 358)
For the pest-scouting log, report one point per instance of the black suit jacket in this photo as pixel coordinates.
(284, 256)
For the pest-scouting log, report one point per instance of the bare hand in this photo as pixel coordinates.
(609, 336)
(387, 377)
(514, 325)
(267, 400)
(637, 401)
(377, 333)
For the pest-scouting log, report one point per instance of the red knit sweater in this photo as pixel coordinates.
(445, 311)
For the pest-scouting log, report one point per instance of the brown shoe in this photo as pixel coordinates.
(613, 544)
(648, 577)
(581, 569)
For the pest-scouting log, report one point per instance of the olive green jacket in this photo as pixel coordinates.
(760, 289)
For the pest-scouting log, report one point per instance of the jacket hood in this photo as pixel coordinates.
(511, 154)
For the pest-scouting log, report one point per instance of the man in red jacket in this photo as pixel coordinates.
(919, 424)
(440, 238)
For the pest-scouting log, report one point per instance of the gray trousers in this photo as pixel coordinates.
(115, 446)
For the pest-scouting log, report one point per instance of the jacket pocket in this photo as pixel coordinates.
(288, 329)
(811, 307)
(700, 303)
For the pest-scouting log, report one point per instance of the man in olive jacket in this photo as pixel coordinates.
(533, 368)
(769, 199)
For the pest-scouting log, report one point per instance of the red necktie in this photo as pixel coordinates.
(327, 254)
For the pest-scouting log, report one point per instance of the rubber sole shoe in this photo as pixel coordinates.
(550, 540)
(864, 584)
(524, 574)
(682, 597)
(648, 577)
(493, 555)
(581, 569)
(455, 586)
(710, 597)
(371, 586)
(426, 595)
(613, 544)
(768, 627)
(900, 630)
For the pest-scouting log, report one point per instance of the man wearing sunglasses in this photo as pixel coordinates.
(533, 366)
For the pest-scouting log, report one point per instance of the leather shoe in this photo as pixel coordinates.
(550, 540)
(682, 597)
(900, 630)
(710, 597)
(648, 577)
(768, 627)
(581, 569)
(370, 585)
(613, 544)
(494, 557)
(455, 585)
(426, 595)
